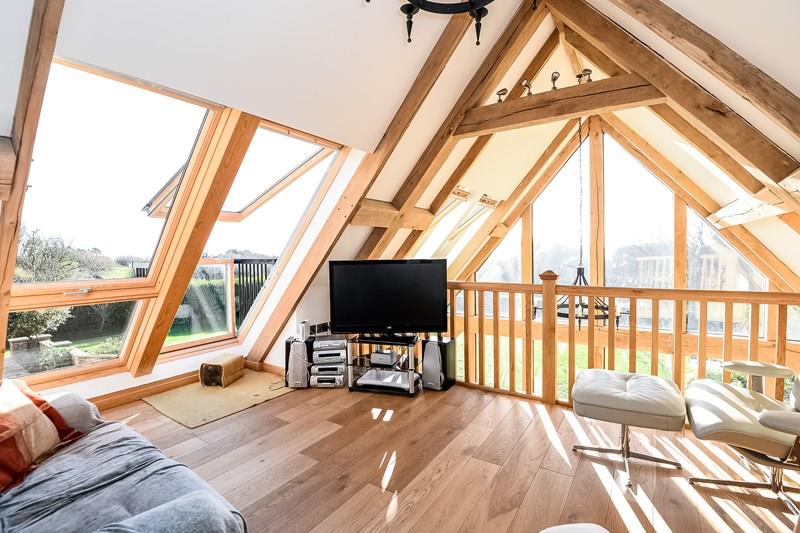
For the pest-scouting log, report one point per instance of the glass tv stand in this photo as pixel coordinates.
(398, 376)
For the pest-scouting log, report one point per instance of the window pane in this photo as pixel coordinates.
(271, 156)
(556, 222)
(714, 265)
(48, 339)
(505, 263)
(455, 212)
(203, 312)
(639, 235)
(103, 149)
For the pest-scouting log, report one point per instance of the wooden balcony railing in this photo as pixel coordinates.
(510, 338)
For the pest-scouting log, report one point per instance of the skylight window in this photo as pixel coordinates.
(101, 150)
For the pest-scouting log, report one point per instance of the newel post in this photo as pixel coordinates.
(549, 352)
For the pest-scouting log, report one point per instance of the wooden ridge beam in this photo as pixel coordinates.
(604, 96)
(509, 211)
(747, 80)
(224, 140)
(701, 108)
(381, 214)
(356, 190)
(41, 44)
(680, 184)
(509, 45)
(533, 69)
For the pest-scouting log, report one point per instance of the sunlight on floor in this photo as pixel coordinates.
(552, 434)
(387, 474)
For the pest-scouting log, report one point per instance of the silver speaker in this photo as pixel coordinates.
(297, 365)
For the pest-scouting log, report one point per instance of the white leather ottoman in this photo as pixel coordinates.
(629, 400)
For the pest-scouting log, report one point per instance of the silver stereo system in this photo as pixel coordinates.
(330, 342)
(327, 370)
(329, 356)
(327, 381)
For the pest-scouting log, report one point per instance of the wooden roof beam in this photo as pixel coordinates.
(356, 190)
(523, 194)
(698, 106)
(509, 45)
(747, 80)
(604, 96)
(380, 214)
(41, 44)
(534, 68)
(8, 160)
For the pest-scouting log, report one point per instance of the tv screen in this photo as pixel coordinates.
(389, 296)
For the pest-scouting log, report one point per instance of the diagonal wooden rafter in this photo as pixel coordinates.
(8, 160)
(210, 173)
(531, 72)
(771, 195)
(702, 109)
(739, 237)
(511, 209)
(736, 72)
(509, 45)
(42, 34)
(358, 186)
(604, 96)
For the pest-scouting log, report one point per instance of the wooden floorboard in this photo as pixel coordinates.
(461, 460)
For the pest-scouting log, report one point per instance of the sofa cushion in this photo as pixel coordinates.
(76, 412)
(29, 429)
(107, 477)
(631, 399)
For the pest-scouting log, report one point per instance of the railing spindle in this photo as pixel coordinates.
(752, 346)
(702, 340)
(571, 344)
(452, 322)
(528, 343)
(612, 333)
(727, 340)
(591, 355)
(469, 348)
(780, 348)
(677, 337)
(654, 332)
(481, 340)
(632, 334)
(512, 342)
(496, 338)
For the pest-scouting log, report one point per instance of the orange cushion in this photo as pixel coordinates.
(29, 428)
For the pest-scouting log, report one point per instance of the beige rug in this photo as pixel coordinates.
(194, 405)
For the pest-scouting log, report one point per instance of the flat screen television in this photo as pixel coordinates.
(388, 296)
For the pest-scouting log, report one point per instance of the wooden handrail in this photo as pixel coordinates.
(489, 347)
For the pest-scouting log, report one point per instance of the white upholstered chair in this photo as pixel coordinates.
(764, 431)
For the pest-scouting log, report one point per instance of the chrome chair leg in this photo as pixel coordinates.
(773, 483)
(624, 450)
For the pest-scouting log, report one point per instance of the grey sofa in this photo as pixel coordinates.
(113, 480)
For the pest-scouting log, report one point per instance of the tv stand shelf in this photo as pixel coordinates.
(400, 378)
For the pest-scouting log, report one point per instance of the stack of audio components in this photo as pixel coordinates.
(328, 361)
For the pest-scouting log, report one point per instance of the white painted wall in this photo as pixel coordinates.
(15, 17)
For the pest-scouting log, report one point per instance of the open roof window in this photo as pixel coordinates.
(101, 150)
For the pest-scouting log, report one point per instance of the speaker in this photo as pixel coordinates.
(296, 363)
(438, 364)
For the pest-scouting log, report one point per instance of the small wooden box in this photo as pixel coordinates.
(222, 371)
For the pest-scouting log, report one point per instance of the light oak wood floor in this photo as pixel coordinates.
(461, 460)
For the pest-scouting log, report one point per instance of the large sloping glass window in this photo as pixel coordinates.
(41, 340)
(505, 262)
(102, 148)
(279, 177)
(558, 219)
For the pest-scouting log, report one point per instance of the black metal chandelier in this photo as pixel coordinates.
(476, 9)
